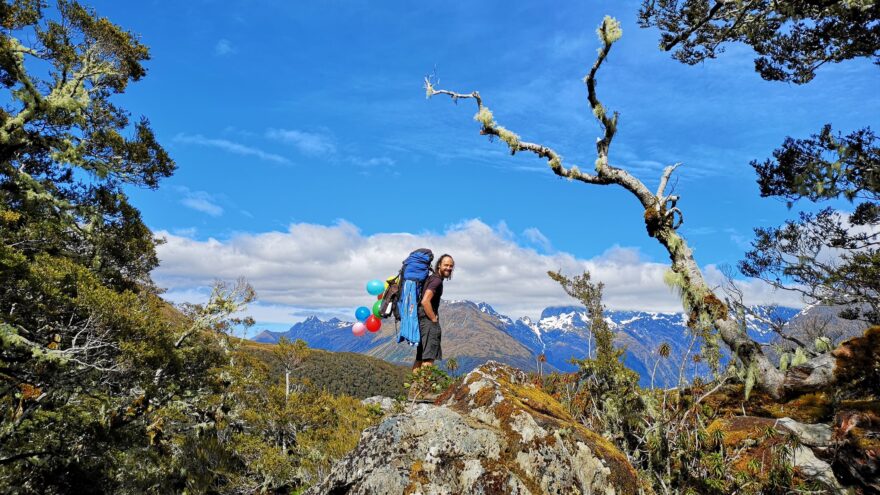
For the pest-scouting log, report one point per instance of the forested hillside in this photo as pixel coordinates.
(345, 373)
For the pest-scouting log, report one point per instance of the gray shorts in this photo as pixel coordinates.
(429, 343)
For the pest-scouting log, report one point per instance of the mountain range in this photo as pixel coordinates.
(473, 333)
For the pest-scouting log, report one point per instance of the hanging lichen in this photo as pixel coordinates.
(675, 281)
(799, 357)
(823, 344)
(609, 31)
(508, 137)
(751, 374)
(485, 117)
(784, 361)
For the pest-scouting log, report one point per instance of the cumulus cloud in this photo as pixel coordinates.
(323, 269)
(309, 143)
(230, 146)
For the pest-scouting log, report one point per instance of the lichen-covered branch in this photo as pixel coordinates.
(708, 316)
(491, 128)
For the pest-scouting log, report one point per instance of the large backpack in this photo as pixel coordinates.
(404, 293)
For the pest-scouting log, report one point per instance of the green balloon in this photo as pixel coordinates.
(376, 306)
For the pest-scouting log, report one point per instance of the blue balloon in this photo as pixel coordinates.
(375, 287)
(362, 313)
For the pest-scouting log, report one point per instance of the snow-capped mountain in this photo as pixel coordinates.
(475, 332)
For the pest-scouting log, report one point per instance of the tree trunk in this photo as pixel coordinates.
(662, 219)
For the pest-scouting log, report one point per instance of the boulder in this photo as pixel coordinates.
(491, 433)
(386, 404)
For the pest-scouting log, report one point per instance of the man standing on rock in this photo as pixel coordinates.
(429, 349)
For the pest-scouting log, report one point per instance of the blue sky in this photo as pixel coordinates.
(298, 126)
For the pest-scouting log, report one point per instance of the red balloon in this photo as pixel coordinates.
(373, 324)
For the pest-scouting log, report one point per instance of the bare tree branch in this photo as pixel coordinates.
(662, 219)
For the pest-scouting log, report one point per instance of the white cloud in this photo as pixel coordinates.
(230, 146)
(755, 291)
(186, 232)
(536, 237)
(373, 162)
(323, 269)
(200, 201)
(309, 143)
(224, 47)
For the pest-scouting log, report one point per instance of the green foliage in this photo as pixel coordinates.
(613, 399)
(63, 158)
(794, 256)
(339, 373)
(451, 364)
(662, 432)
(427, 381)
(104, 387)
(104, 375)
(792, 38)
(279, 437)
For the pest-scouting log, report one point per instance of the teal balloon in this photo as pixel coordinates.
(375, 287)
(376, 307)
(362, 313)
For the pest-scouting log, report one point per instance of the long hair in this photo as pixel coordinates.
(440, 260)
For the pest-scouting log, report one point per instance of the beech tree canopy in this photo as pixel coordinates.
(831, 257)
(792, 38)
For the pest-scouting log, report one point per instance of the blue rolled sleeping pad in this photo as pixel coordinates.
(409, 313)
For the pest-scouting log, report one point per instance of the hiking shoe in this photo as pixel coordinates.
(427, 398)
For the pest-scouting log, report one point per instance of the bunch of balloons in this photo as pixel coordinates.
(369, 320)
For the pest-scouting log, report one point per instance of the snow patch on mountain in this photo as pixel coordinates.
(564, 322)
(489, 310)
(525, 320)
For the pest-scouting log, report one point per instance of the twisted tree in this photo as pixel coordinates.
(830, 257)
(709, 317)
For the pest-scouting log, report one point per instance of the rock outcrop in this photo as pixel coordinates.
(493, 433)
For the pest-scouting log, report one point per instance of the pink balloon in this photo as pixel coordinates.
(359, 329)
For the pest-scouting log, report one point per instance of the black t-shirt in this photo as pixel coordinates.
(435, 283)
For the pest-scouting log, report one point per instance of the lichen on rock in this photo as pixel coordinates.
(492, 433)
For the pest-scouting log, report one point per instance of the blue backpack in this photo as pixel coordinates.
(416, 268)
